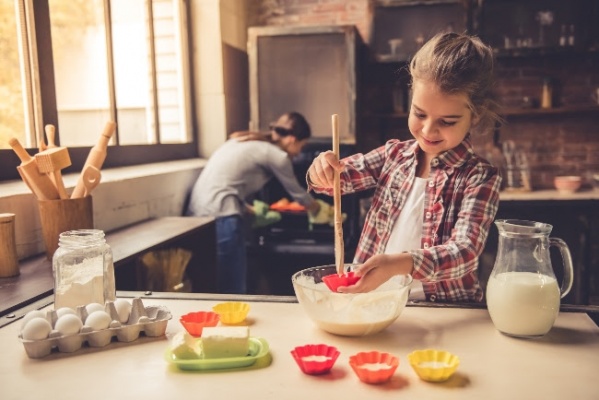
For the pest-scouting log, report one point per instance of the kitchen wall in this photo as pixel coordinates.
(555, 143)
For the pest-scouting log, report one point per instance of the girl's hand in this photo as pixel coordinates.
(378, 270)
(322, 171)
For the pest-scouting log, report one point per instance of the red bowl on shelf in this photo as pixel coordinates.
(373, 366)
(194, 322)
(315, 359)
(333, 281)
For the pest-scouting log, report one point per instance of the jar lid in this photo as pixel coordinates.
(6, 218)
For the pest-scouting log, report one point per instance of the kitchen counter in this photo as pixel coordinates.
(36, 281)
(548, 195)
(560, 365)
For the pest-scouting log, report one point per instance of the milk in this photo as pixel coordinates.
(523, 303)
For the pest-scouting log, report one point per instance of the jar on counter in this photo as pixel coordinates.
(83, 269)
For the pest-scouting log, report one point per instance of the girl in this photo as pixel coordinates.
(434, 198)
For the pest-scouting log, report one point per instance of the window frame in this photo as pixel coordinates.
(37, 11)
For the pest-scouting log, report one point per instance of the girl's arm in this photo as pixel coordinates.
(358, 172)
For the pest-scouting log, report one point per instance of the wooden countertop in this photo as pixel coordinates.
(561, 365)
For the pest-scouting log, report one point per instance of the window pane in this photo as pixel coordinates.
(169, 72)
(80, 70)
(132, 72)
(12, 115)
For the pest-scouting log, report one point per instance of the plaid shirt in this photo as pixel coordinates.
(461, 200)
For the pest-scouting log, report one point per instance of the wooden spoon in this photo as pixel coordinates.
(91, 178)
(338, 217)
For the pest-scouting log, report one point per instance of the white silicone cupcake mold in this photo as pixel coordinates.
(151, 321)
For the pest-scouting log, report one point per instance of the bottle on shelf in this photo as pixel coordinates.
(563, 39)
(571, 37)
(547, 93)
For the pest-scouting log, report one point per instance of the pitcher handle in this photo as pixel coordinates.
(567, 261)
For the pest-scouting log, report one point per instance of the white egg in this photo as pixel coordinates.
(64, 311)
(30, 315)
(98, 320)
(36, 328)
(91, 307)
(123, 309)
(68, 324)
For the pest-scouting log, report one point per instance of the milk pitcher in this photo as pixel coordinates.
(523, 296)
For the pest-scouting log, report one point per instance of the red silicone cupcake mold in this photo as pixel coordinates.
(374, 366)
(315, 359)
(333, 281)
(194, 322)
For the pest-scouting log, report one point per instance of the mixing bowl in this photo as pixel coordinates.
(567, 184)
(350, 314)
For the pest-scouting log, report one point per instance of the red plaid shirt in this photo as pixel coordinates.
(461, 200)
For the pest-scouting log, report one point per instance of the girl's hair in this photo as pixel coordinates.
(459, 63)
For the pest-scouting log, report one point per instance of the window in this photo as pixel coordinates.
(78, 64)
(12, 113)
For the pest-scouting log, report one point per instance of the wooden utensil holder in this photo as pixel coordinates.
(9, 264)
(59, 216)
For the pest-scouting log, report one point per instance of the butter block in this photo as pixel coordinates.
(185, 347)
(225, 341)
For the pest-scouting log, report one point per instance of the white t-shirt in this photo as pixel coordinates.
(406, 232)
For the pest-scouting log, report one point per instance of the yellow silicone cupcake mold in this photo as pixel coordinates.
(232, 312)
(433, 365)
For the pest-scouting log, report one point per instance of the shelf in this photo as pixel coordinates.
(513, 112)
(412, 3)
(524, 52)
(525, 112)
(392, 58)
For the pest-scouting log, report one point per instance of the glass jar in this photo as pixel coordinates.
(83, 269)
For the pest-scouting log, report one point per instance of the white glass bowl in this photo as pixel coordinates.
(345, 314)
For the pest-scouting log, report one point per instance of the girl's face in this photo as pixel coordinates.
(438, 121)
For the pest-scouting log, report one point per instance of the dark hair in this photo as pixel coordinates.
(301, 129)
(460, 63)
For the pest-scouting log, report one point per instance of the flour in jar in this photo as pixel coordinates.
(80, 284)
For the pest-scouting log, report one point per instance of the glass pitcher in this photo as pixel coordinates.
(523, 297)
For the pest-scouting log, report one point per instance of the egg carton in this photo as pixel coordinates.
(151, 321)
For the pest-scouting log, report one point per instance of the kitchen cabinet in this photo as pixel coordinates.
(398, 28)
(534, 27)
(514, 28)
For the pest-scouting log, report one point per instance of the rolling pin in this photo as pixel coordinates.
(95, 158)
(40, 184)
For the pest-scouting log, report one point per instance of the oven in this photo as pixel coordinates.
(277, 251)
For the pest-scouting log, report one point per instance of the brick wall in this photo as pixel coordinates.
(318, 12)
(560, 143)
(555, 143)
